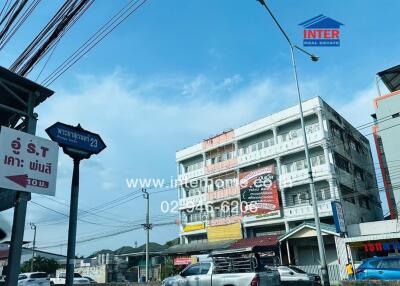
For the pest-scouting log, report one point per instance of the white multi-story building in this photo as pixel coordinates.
(210, 172)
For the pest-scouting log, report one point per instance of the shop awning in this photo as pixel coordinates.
(373, 237)
(307, 226)
(261, 241)
(198, 248)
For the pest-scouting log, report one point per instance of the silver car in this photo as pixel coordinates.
(291, 275)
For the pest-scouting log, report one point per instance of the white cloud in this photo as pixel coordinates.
(359, 108)
(143, 129)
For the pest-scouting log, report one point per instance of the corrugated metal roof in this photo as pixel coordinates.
(20, 87)
(261, 241)
(196, 248)
(327, 228)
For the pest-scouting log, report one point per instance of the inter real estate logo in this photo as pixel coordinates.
(321, 31)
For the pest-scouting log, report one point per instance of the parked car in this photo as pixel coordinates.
(34, 279)
(233, 267)
(379, 268)
(291, 275)
(60, 279)
(92, 281)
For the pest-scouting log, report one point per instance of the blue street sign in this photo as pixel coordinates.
(75, 137)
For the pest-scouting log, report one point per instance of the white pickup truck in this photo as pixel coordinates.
(60, 279)
(234, 268)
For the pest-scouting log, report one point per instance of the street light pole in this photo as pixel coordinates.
(325, 276)
(33, 226)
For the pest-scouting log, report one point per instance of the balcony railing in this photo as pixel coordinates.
(313, 132)
(192, 202)
(257, 155)
(345, 178)
(286, 179)
(224, 220)
(223, 194)
(306, 210)
(227, 164)
(192, 174)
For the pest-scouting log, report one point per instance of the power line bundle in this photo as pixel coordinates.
(65, 17)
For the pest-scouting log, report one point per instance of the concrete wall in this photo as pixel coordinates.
(98, 273)
(389, 131)
(371, 228)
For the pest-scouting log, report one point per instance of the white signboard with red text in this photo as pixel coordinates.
(27, 163)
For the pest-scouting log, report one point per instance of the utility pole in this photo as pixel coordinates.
(314, 58)
(33, 226)
(147, 227)
(17, 233)
(73, 216)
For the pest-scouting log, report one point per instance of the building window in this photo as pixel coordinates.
(323, 194)
(195, 191)
(342, 163)
(295, 199)
(193, 166)
(220, 157)
(302, 164)
(348, 194)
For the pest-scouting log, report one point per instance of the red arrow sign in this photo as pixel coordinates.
(21, 180)
(24, 181)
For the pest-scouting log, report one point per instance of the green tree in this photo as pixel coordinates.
(41, 264)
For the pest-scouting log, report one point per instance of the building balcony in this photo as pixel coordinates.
(220, 166)
(360, 185)
(345, 178)
(218, 140)
(223, 194)
(190, 175)
(306, 210)
(288, 179)
(224, 220)
(296, 141)
(257, 155)
(192, 202)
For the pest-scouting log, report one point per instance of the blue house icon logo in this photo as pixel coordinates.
(321, 31)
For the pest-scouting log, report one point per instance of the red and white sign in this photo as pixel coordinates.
(259, 193)
(27, 163)
(182, 260)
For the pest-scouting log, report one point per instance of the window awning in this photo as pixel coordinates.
(391, 78)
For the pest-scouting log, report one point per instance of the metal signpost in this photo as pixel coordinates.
(79, 144)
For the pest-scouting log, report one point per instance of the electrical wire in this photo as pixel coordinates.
(4, 39)
(50, 34)
(98, 36)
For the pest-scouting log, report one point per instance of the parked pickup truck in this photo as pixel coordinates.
(239, 267)
(60, 279)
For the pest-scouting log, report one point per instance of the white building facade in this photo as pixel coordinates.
(210, 175)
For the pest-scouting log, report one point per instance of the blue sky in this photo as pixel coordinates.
(177, 72)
